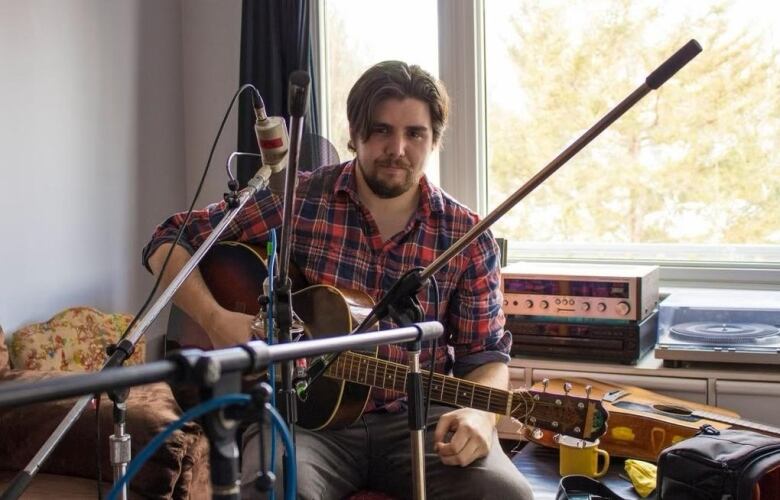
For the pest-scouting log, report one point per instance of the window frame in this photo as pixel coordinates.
(463, 156)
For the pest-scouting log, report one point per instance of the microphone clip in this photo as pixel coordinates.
(231, 197)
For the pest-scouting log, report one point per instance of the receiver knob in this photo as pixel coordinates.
(623, 308)
(586, 306)
(601, 307)
(529, 303)
(544, 304)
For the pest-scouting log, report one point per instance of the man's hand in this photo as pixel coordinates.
(227, 328)
(471, 439)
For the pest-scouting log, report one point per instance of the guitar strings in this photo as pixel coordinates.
(345, 365)
(479, 396)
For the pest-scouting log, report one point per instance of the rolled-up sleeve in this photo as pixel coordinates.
(478, 335)
(251, 224)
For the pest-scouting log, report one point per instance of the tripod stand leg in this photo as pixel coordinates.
(120, 441)
(416, 420)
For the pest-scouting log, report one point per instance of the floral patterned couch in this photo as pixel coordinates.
(75, 340)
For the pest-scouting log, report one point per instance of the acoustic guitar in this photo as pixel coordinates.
(234, 273)
(643, 423)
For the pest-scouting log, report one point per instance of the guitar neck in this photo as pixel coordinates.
(367, 370)
(737, 422)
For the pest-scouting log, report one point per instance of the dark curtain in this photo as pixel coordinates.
(275, 41)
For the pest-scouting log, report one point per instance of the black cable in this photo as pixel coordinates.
(434, 343)
(170, 250)
(189, 210)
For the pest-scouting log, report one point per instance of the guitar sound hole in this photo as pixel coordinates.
(674, 410)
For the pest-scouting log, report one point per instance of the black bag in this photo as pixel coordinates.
(577, 487)
(720, 465)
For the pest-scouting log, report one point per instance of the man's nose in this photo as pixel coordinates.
(396, 145)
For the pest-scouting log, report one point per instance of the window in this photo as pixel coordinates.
(358, 34)
(689, 178)
(690, 173)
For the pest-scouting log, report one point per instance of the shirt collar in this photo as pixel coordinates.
(431, 200)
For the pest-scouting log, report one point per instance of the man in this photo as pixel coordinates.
(361, 225)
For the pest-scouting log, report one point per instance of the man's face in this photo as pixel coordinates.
(392, 159)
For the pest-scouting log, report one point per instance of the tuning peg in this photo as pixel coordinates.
(567, 388)
(545, 383)
(537, 434)
(588, 388)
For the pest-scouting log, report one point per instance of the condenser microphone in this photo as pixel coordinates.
(272, 138)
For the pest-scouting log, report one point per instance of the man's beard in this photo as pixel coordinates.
(381, 188)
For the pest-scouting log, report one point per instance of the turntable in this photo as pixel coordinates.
(732, 326)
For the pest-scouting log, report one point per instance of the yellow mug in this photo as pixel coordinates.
(581, 457)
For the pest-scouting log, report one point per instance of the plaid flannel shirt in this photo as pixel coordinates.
(335, 241)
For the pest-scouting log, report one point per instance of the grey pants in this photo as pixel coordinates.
(375, 453)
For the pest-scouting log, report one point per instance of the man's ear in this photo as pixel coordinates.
(351, 142)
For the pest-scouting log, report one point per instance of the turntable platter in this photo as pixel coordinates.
(722, 332)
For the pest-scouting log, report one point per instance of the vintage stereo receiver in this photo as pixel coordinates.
(732, 326)
(608, 340)
(595, 291)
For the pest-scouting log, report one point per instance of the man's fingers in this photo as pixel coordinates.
(443, 427)
(465, 456)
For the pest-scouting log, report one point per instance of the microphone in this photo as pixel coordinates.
(298, 94)
(272, 138)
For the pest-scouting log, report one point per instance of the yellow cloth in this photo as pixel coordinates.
(642, 475)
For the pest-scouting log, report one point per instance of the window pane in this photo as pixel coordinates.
(689, 173)
(359, 34)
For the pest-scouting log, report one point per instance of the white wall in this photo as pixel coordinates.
(211, 45)
(107, 111)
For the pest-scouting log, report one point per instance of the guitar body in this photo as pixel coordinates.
(642, 423)
(327, 311)
(234, 273)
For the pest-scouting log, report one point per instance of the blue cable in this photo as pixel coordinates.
(271, 265)
(159, 439)
(197, 411)
(291, 471)
(270, 340)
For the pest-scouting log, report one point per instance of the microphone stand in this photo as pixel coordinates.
(120, 449)
(401, 302)
(298, 98)
(126, 346)
(218, 372)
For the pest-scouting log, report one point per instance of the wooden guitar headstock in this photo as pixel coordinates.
(558, 410)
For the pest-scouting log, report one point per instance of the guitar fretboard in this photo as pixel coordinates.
(367, 370)
(737, 422)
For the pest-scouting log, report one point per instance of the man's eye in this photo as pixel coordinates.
(380, 130)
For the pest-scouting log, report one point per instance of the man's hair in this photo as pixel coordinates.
(395, 80)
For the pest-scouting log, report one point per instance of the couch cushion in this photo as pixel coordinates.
(73, 340)
(179, 469)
